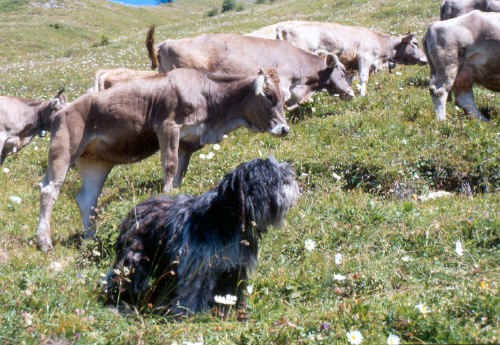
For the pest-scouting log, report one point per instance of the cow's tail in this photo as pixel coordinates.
(150, 45)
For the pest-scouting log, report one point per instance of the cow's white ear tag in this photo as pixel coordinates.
(259, 85)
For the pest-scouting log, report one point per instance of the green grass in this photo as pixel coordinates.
(387, 148)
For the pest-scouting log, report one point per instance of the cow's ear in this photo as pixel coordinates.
(54, 103)
(260, 83)
(332, 60)
(281, 33)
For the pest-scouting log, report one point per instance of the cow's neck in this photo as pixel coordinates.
(43, 113)
(392, 47)
(36, 121)
(226, 106)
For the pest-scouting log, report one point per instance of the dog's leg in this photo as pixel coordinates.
(168, 139)
(93, 174)
(234, 283)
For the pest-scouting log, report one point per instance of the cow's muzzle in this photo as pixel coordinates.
(280, 130)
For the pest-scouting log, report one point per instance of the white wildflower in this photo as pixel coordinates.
(15, 199)
(199, 342)
(406, 258)
(458, 248)
(423, 308)
(310, 245)
(56, 266)
(225, 136)
(35, 148)
(435, 195)
(27, 317)
(338, 259)
(354, 337)
(339, 277)
(398, 73)
(249, 289)
(335, 176)
(216, 147)
(6, 170)
(203, 156)
(226, 300)
(393, 339)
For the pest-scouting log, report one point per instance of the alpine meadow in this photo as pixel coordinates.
(394, 238)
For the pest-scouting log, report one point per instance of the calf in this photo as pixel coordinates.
(178, 114)
(463, 51)
(301, 73)
(106, 78)
(454, 8)
(358, 48)
(21, 119)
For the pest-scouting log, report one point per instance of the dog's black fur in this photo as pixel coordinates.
(177, 253)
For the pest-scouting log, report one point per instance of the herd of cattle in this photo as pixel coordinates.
(209, 85)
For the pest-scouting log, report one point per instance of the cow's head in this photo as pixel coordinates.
(334, 78)
(11, 143)
(408, 51)
(264, 110)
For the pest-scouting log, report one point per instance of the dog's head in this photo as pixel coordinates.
(264, 191)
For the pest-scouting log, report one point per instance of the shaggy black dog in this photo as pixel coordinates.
(175, 254)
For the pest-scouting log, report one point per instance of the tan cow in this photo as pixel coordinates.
(454, 8)
(178, 113)
(268, 32)
(106, 78)
(301, 73)
(21, 119)
(358, 48)
(463, 51)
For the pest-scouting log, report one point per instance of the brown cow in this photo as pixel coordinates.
(178, 113)
(358, 48)
(301, 73)
(463, 51)
(21, 119)
(106, 78)
(454, 8)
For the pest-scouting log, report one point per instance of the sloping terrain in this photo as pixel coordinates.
(363, 168)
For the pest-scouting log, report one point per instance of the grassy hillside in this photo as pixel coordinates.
(398, 251)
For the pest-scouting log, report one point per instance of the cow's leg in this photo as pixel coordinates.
(57, 167)
(364, 73)
(3, 139)
(185, 152)
(168, 139)
(93, 174)
(442, 79)
(465, 100)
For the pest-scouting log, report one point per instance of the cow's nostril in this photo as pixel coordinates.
(285, 130)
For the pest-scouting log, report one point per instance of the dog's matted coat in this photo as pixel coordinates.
(177, 253)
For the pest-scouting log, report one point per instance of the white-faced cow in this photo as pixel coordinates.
(21, 119)
(454, 8)
(178, 113)
(106, 78)
(301, 73)
(358, 48)
(463, 51)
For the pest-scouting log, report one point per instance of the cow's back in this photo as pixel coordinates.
(347, 42)
(235, 54)
(471, 42)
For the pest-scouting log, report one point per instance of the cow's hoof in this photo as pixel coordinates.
(44, 245)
